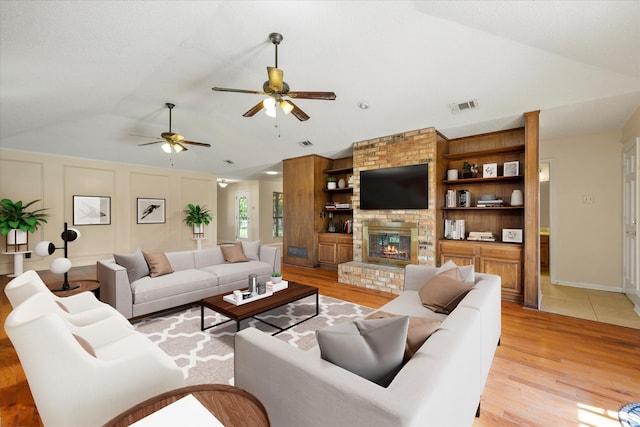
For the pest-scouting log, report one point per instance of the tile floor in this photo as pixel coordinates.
(601, 306)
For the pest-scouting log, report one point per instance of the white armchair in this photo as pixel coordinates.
(85, 305)
(72, 387)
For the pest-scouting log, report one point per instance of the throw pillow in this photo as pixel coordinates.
(233, 253)
(467, 272)
(251, 250)
(158, 263)
(444, 291)
(372, 349)
(420, 328)
(135, 264)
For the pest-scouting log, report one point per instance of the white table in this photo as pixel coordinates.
(18, 259)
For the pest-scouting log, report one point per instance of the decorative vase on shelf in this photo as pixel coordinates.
(516, 198)
(342, 183)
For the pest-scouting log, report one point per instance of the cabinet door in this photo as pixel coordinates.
(327, 252)
(345, 252)
(511, 273)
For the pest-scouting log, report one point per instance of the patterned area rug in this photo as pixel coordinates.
(207, 356)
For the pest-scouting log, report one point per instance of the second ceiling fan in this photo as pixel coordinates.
(277, 90)
(174, 141)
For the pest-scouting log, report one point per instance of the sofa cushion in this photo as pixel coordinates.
(372, 349)
(208, 257)
(149, 288)
(135, 264)
(420, 328)
(251, 250)
(467, 272)
(181, 260)
(158, 263)
(444, 291)
(233, 253)
(238, 272)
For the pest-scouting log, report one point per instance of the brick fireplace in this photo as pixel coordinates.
(409, 148)
(390, 243)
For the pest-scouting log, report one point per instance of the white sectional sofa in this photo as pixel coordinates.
(196, 274)
(439, 386)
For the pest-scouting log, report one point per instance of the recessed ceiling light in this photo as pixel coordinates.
(271, 173)
(363, 105)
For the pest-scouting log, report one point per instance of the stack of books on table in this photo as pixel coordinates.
(484, 236)
(490, 203)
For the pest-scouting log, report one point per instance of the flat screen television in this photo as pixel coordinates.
(404, 187)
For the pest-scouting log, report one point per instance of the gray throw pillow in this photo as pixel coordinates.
(135, 264)
(372, 349)
(251, 250)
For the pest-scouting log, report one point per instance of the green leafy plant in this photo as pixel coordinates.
(331, 179)
(14, 215)
(197, 215)
(470, 167)
(276, 274)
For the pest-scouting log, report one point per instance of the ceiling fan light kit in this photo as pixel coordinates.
(276, 89)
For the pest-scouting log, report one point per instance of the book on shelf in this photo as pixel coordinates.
(454, 229)
(484, 236)
(451, 199)
(489, 203)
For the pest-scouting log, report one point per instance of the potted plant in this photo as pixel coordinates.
(469, 170)
(197, 216)
(16, 221)
(276, 277)
(331, 183)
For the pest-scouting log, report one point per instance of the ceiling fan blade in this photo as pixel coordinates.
(276, 76)
(259, 106)
(298, 113)
(200, 144)
(313, 95)
(182, 146)
(149, 143)
(226, 89)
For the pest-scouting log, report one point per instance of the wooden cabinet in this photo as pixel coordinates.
(515, 262)
(334, 249)
(304, 202)
(502, 259)
(544, 252)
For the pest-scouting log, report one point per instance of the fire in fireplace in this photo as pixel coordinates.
(394, 243)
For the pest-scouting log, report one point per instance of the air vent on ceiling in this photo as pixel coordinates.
(229, 162)
(464, 106)
(305, 143)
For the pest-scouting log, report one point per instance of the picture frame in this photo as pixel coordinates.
(511, 168)
(91, 210)
(490, 170)
(512, 235)
(150, 211)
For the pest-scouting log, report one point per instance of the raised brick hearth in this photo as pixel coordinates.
(409, 148)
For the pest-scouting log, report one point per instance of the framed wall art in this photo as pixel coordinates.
(91, 210)
(151, 211)
(512, 235)
(511, 168)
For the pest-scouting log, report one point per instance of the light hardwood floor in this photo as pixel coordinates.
(550, 370)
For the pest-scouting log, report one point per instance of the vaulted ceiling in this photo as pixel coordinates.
(90, 79)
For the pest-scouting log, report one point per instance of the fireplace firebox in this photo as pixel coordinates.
(392, 243)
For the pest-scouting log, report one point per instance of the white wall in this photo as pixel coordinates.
(586, 237)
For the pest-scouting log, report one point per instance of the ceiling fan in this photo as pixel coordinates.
(277, 90)
(174, 141)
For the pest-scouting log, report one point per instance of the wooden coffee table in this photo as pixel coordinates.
(294, 292)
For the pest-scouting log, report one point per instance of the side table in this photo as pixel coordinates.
(232, 406)
(18, 262)
(83, 285)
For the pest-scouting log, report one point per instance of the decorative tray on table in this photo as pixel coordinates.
(231, 298)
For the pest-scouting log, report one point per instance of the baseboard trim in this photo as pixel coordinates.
(616, 289)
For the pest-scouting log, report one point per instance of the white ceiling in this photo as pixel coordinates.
(83, 78)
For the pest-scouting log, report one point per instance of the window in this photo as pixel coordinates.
(278, 203)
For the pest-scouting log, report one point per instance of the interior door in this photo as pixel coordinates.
(630, 252)
(243, 229)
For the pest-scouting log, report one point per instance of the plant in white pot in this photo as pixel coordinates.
(16, 221)
(276, 277)
(197, 216)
